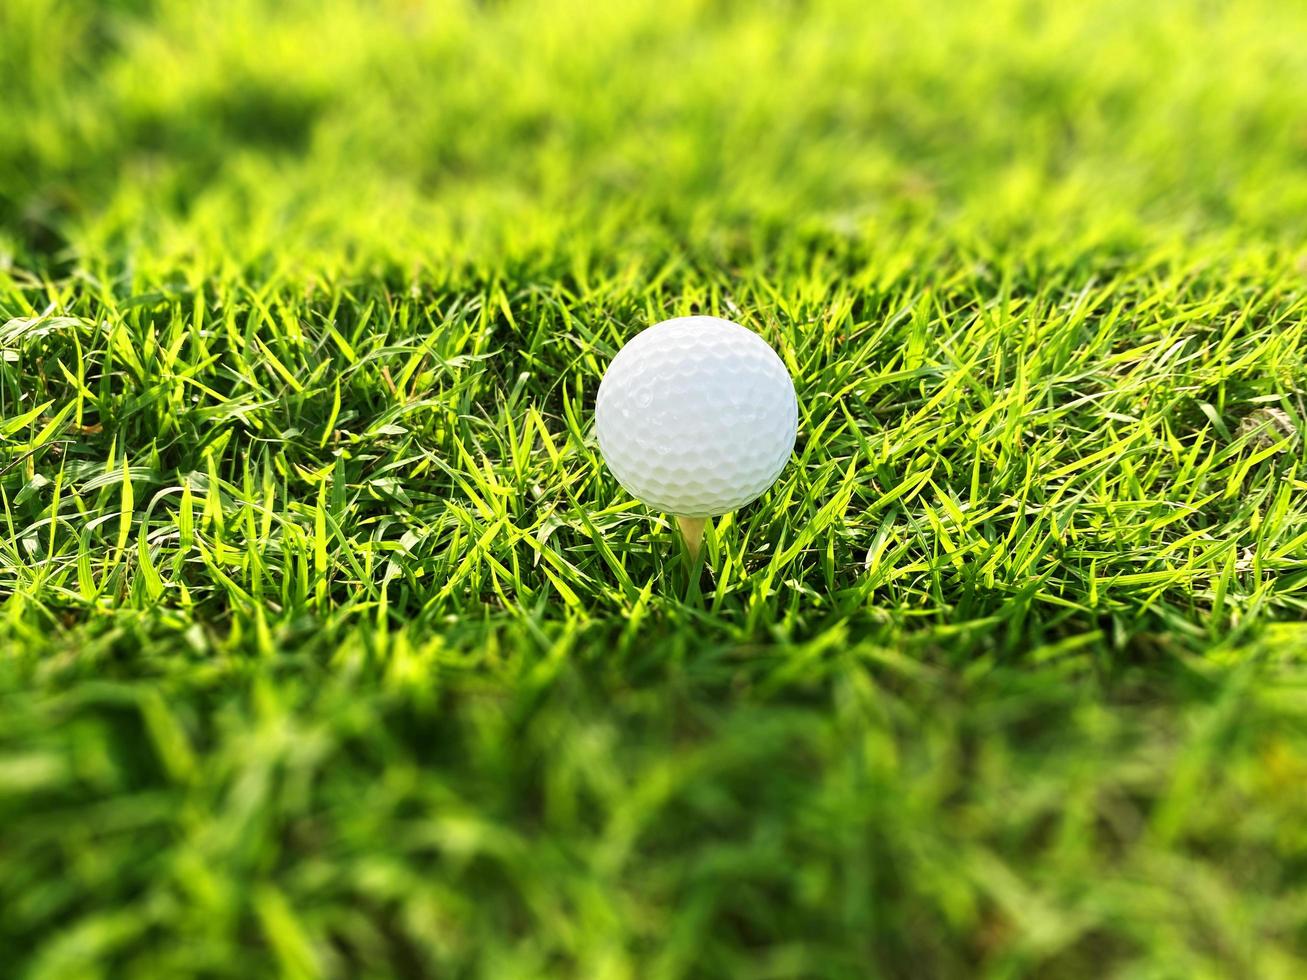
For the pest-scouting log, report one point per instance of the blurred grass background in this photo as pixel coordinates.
(191, 134)
(328, 647)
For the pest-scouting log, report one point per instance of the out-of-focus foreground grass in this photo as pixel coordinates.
(329, 647)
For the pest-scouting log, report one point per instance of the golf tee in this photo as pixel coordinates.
(692, 535)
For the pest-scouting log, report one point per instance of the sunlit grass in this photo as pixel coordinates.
(329, 646)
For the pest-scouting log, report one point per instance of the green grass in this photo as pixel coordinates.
(329, 647)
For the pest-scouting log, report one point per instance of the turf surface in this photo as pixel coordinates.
(329, 647)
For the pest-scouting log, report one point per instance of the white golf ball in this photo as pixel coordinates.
(696, 416)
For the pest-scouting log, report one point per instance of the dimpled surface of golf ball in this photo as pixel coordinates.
(696, 416)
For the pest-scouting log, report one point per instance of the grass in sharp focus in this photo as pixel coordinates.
(329, 647)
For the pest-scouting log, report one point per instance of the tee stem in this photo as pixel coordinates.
(692, 535)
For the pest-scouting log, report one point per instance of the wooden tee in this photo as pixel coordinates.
(692, 535)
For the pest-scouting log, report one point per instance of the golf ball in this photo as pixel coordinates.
(696, 416)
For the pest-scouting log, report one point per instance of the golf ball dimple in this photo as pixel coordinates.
(696, 416)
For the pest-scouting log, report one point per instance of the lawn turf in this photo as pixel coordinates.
(329, 647)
